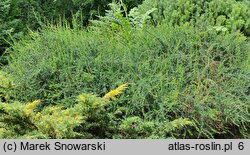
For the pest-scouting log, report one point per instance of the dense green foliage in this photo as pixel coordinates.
(180, 75)
(231, 14)
(16, 16)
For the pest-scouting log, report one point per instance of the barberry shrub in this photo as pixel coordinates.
(185, 80)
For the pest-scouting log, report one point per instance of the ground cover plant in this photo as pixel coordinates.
(131, 74)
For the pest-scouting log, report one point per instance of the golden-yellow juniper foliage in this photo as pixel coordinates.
(29, 107)
(113, 93)
(82, 98)
(56, 121)
(5, 82)
(180, 122)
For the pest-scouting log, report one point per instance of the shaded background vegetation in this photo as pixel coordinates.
(17, 16)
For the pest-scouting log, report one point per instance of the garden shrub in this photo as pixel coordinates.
(88, 118)
(185, 80)
(6, 85)
(231, 14)
(184, 73)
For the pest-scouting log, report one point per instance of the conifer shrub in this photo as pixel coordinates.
(88, 118)
(230, 14)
